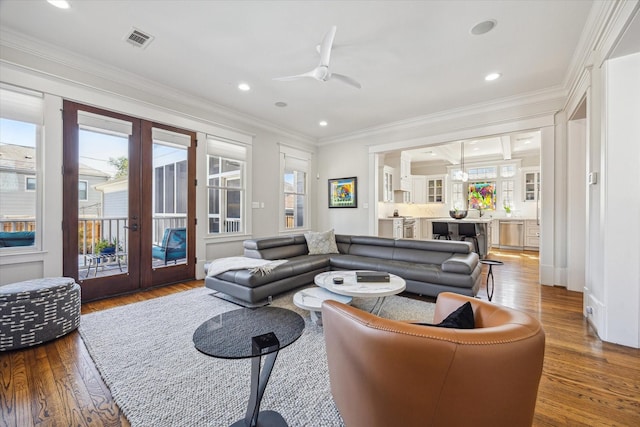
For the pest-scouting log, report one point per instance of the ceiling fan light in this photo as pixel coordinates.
(60, 4)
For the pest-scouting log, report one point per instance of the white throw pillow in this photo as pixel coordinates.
(321, 243)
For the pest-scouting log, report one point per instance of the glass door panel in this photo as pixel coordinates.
(103, 209)
(170, 191)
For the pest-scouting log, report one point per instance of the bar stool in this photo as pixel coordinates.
(467, 230)
(441, 229)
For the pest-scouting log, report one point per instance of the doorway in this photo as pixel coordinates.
(129, 202)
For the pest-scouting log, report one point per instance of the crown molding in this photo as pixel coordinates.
(98, 76)
(541, 97)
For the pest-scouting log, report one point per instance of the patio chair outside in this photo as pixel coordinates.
(173, 247)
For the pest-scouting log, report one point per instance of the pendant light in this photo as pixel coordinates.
(463, 176)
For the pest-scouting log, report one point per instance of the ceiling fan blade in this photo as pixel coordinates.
(346, 79)
(311, 74)
(325, 47)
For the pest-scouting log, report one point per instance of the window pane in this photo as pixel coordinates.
(214, 225)
(230, 165)
(30, 184)
(233, 204)
(181, 187)
(83, 190)
(214, 165)
(169, 188)
(17, 175)
(159, 190)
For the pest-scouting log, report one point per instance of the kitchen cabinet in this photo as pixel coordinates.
(418, 189)
(402, 167)
(531, 186)
(435, 189)
(385, 228)
(531, 234)
(386, 184)
(426, 229)
(495, 232)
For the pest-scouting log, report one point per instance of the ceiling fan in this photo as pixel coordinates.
(322, 72)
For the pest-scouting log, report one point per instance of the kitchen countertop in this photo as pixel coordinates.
(473, 220)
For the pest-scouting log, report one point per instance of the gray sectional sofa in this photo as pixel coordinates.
(428, 266)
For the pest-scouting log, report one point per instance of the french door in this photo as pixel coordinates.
(129, 202)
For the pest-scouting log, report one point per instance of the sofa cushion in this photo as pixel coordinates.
(276, 247)
(293, 267)
(460, 263)
(321, 243)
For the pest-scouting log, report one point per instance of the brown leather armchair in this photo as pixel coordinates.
(391, 373)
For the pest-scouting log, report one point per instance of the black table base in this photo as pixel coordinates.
(254, 417)
(490, 263)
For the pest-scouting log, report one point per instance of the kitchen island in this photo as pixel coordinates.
(483, 228)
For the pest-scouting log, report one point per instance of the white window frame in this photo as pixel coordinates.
(234, 151)
(292, 158)
(25, 105)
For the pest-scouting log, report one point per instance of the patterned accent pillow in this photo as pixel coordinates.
(321, 243)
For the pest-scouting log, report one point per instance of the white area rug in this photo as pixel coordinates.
(146, 356)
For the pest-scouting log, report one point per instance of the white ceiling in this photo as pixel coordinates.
(503, 147)
(413, 58)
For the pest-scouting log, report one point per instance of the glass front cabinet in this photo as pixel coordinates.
(531, 186)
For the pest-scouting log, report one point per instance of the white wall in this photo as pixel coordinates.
(576, 204)
(621, 205)
(343, 161)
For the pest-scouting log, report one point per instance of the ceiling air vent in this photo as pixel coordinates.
(138, 38)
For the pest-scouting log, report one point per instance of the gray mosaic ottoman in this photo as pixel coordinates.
(37, 311)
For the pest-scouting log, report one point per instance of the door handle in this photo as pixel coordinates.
(134, 227)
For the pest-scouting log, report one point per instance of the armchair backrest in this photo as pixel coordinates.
(174, 238)
(385, 372)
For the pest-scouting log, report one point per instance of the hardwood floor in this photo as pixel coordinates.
(585, 382)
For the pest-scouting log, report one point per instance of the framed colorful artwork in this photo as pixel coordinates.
(482, 195)
(343, 192)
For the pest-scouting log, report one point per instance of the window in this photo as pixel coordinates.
(507, 193)
(226, 187)
(30, 183)
(169, 195)
(295, 167)
(482, 173)
(508, 171)
(457, 197)
(21, 119)
(83, 191)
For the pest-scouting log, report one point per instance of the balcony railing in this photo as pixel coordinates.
(18, 224)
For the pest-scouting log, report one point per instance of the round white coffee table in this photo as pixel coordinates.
(351, 287)
(311, 299)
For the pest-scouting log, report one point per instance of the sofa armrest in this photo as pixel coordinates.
(461, 263)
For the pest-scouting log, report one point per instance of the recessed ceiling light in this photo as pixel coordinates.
(492, 76)
(60, 4)
(323, 123)
(483, 27)
(244, 87)
(280, 104)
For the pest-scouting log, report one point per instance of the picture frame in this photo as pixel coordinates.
(343, 192)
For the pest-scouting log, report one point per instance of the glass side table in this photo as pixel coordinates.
(490, 263)
(251, 333)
